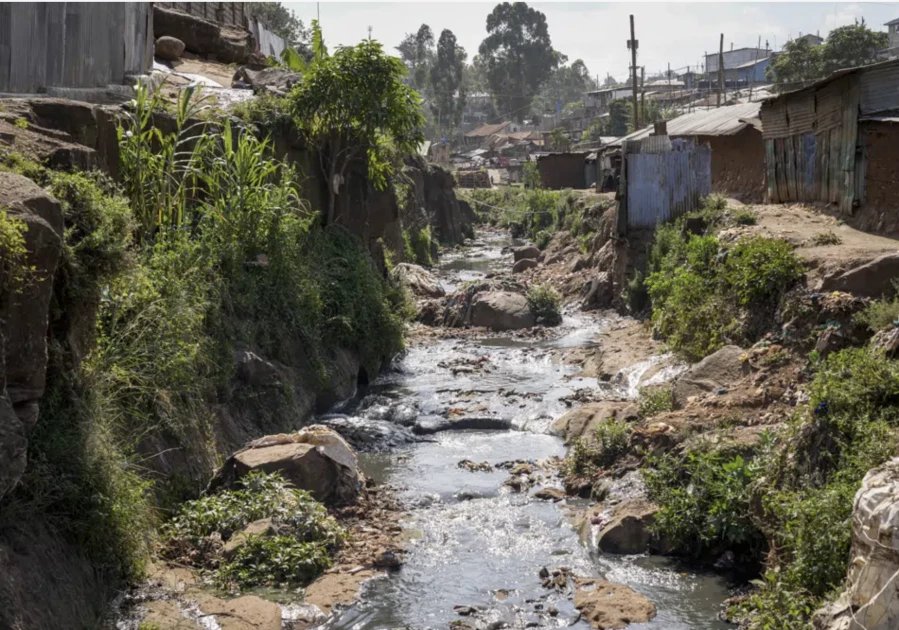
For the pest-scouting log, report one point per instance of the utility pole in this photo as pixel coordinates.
(721, 70)
(632, 44)
(752, 78)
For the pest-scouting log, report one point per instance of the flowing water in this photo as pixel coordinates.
(472, 540)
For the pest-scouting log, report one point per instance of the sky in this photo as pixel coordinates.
(675, 33)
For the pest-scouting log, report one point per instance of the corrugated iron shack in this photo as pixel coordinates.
(662, 179)
(737, 147)
(562, 170)
(837, 140)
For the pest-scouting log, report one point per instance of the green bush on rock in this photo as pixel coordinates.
(545, 303)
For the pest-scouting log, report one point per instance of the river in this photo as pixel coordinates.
(472, 540)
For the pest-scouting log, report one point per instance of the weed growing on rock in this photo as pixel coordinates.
(297, 548)
(825, 238)
(542, 239)
(655, 400)
(880, 314)
(745, 217)
(13, 264)
(601, 450)
(545, 303)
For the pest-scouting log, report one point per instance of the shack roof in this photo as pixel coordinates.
(721, 121)
(487, 130)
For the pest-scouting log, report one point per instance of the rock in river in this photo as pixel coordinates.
(315, 459)
(419, 280)
(524, 264)
(520, 253)
(608, 605)
(501, 310)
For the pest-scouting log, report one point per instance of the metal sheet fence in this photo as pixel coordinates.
(73, 44)
(663, 185)
(269, 43)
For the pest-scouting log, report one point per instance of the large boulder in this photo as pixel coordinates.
(168, 48)
(871, 601)
(607, 605)
(275, 80)
(419, 280)
(717, 370)
(203, 37)
(872, 279)
(24, 317)
(584, 420)
(501, 310)
(628, 529)
(315, 459)
(529, 251)
(599, 292)
(524, 264)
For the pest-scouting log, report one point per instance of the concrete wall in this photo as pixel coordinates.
(73, 44)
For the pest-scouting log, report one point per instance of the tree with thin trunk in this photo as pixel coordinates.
(353, 106)
(446, 83)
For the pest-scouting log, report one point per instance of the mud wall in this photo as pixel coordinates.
(738, 165)
(879, 211)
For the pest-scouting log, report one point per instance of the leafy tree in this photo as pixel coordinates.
(566, 85)
(799, 64)
(355, 105)
(598, 128)
(609, 81)
(852, 46)
(417, 52)
(560, 141)
(619, 117)
(518, 55)
(474, 76)
(283, 22)
(447, 82)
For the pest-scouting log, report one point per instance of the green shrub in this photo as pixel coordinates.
(826, 238)
(637, 294)
(698, 291)
(545, 303)
(703, 500)
(745, 217)
(530, 175)
(273, 561)
(542, 239)
(880, 314)
(417, 246)
(13, 261)
(655, 400)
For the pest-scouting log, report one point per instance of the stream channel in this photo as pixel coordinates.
(472, 540)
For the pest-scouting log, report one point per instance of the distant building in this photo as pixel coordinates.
(597, 102)
(477, 136)
(751, 72)
(813, 40)
(734, 59)
(893, 32)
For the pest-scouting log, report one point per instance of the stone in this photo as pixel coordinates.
(203, 37)
(607, 605)
(584, 420)
(599, 292)
(263, 527)
(255, 371)
(627, 531)
(315, 459)
(520, 253)
(717, 370)
(886, 341)
(420, 281)
(524, 264)
(550, 494)
(872, 279)
(869, 602)
(268, 80)
(501, 310)
(427, 425)
(24, 318)
(168, 48)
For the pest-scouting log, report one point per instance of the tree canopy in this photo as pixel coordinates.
(801, 63)
(518, 56)
(447, 82)
(417, 52)
(566, 84)
(354, 104)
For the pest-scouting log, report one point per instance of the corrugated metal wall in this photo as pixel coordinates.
(73, 44)
(227, 13)
(268, 42)
(810, 143)
(665, 179)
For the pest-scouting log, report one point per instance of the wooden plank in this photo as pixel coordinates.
(771, 171)
(850, 134)
(790, 161)
(5, 45)
(782, 190)
(835, 185)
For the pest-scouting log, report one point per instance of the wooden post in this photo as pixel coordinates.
(721, 70)
(632, 44)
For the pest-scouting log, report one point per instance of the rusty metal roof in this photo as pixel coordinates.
(487, 130)
(721, 121)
